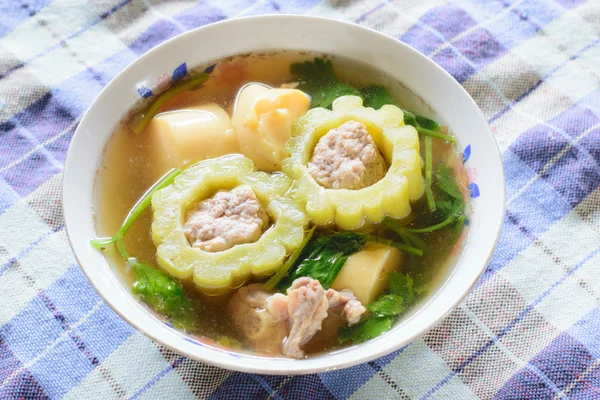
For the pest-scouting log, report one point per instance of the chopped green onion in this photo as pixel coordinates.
(398, 245)
(432, 228)
(134, 214)
(283, 271)
(429, 173)
(430, 133)
(139, 124)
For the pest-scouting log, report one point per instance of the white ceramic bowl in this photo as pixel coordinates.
(422, 76)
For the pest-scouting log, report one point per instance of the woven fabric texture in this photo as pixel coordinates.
(529, 330)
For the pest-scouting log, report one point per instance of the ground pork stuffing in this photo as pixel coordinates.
(347, 158)
(226, 219)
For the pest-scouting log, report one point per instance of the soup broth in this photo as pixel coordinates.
(127, 172)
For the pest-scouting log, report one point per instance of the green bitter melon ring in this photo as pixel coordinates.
(214, 272)
(351, 209)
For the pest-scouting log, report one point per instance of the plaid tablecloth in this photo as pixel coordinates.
(531, 327)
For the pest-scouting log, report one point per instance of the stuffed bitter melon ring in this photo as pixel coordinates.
(351, 209)
(215, 271)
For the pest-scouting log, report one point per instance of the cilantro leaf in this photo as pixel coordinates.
(318, 80)
(323, 258)
(164, 295)
(383, 310)
(365, 330)
(402, 285)
(325, 96)
(446, 181)
(388, 305)
(318, 72)
(377, 96)
(427, 123)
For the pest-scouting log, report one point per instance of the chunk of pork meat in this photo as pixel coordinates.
(261, 328)
(278, 322)
(351, 306)
(307, 308)
(226, 219)
(347, 158)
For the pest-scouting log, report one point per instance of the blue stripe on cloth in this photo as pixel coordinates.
(104, 331)
(508, 327)
(8, 196)
(237, 383)
(292, 7)
(525, 385)
(18, 145)
(73, 294)
(29, 174)
(422, 39)
(75, 34)
(344, 382)
(157, 33)
(591, 101)
(9, 363)
(157, 378)
(588, 387)
(575, 175)
(23, 386)
(198, 15)
(27, 343)
(450, 20)
(13, 13)
(305, 387)
(587, 331)
(534, 87)
(50, 114)
(570, 3)
(63, 367)
(56, 335)
(562, 362)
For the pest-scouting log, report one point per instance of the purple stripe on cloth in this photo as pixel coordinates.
(563, 361)
(344, 382)
(27, 343)
(14, 142)
(480, 47)
(509, 326)
(455, 64)
(157, 378)
(422, 39)
(73, 294)
(9, 363)
(449, 20)
(156, 34)
(588, 387)
(62, 368)
(590, 144)
(575, 175)
(29, 174)
(587, 331)
(571, 3)
(237, 384)
(59, 147)
(95, 22)
(305, 387)
(24, 386)
(104, 331)
(200, 14)
(13, 13)
(534, 87)
(48, 115)
(525, 385)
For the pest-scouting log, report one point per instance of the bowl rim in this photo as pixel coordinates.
(300, 367)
